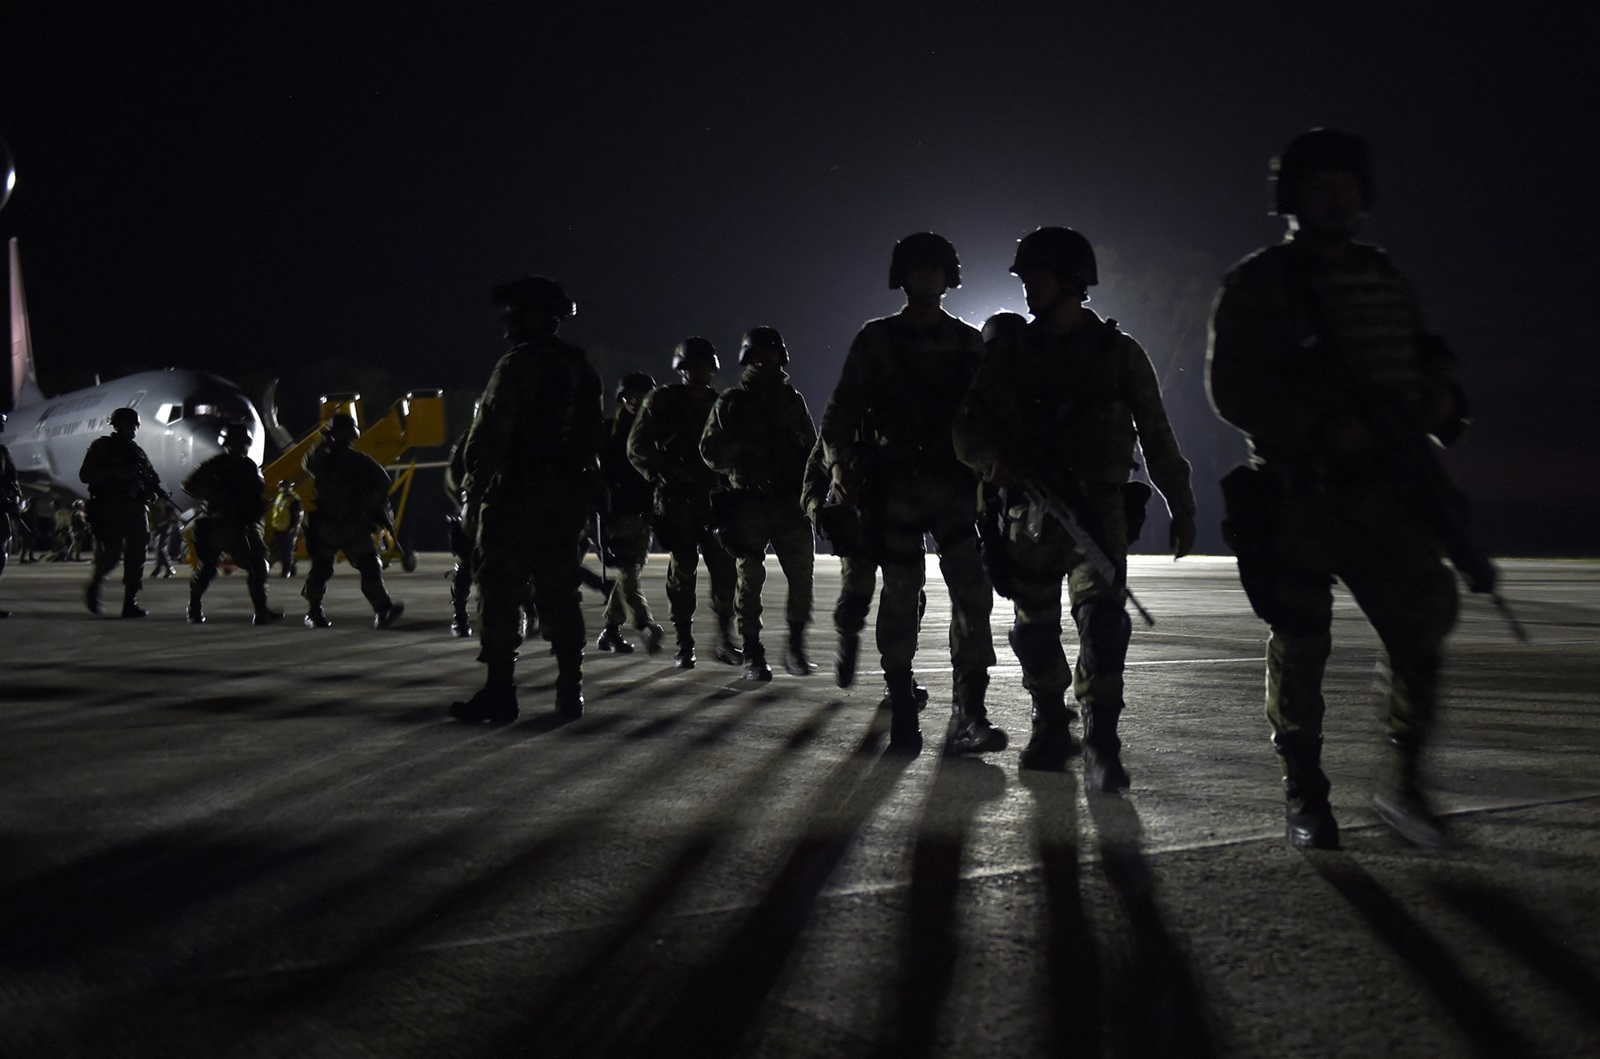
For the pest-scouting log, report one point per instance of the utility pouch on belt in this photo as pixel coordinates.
(1135, 499)
(727, 519)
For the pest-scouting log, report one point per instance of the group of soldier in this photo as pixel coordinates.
(1013, 448)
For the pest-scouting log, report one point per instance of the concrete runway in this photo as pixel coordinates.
(229, 841)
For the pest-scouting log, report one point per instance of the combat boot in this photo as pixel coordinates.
(386, 617)
(611, 641)
(844, 659)
(263, 614)
(460, 590)
(569, 681)
(724, 650)
(972, 732)
(653, 635)
(795, 662)
(196, 614)
(496, 704)
(1051, 742)
(918, 692)
(904, 735)
(1102, 750)
(130, 605)
(316, 619)
(685, 656)
(755, 661)
(1401, 804)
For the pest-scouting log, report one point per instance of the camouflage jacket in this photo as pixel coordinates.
(760, 434)
(664, 444)
(351, 486)
(1298, 344)
(1076, 403)
(539, 427)
(628, 490)
(116, 468)
(897, 395)
(231, 486)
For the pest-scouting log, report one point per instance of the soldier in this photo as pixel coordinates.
(288, 516)
(759, 434)
(1320, 356)
(625, 540)
(1058, 405)
(352, 502)
(461, 544)
(167, 528)
(234, 494)
(10, 503)
(531, 474)
(888, 431)
(664, 446)
(121, 484)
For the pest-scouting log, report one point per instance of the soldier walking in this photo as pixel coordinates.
(888, 432)
(234, 493)
(1320, 356)
(121, 484)
(625, 534)
(664, 446)
(532, 462)
(1057, 407)
(288, 516)
(352, 495)
(760, 434)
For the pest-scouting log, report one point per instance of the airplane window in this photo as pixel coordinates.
(169, 414)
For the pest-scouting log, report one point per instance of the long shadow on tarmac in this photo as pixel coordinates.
(1429, 961)
(1073, 992)
(1157, 1008)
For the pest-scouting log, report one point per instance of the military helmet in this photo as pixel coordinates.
(695, 348)
(924, 248)
(635, 382)
(125, 419)
(1003, 325)
(341, 427)
(1319, 151)
(762, 338)
(235, 434)
(1059, 250)
(535, 292)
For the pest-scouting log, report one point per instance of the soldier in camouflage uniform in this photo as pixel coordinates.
(1320, 355)
(121, 484)
(626, 531)
(888, 428)
(1067, 397)
(234, 493)
(760, 434)
(532, 472)
(352, 498)
(664, 446)
(460, 543)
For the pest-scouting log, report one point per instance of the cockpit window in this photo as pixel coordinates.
(169, 414)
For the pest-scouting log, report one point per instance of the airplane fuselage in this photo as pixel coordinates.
(181, 415)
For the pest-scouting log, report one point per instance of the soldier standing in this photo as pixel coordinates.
(888, 432)
(760, 434)
(288, 516)
(625, 540)
(531, 475)
(10, 503)
(1061, 403)
(1320, 356)
(234, 493)
(664, 446)
(352, 503)
(121, 484)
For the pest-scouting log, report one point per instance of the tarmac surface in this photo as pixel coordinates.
(221, 840)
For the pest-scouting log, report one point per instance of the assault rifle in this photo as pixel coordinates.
(1051, 503)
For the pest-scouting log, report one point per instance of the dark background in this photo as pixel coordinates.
(284, 191)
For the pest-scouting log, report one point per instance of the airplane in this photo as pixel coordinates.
(181, 415)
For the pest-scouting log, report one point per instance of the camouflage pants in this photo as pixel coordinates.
(780, 523)
(325, 539)
(628, 539)
(1097, 607)
(858, 580)
(685, 530)
(121, 533)
(947, 510)
(1381, 547)
(243, 541)
(535, 542)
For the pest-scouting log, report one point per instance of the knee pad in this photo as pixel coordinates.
(1037, 647)
(851, 610)
(1104, 630)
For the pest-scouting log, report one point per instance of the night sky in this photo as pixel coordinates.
(269, 190)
